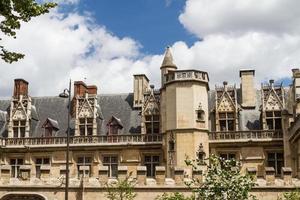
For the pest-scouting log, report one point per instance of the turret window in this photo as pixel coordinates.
(273, 119)
(226, 121)
(86, 126)
(152, 124)
(19, 128)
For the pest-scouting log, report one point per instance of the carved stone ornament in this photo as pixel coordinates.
(273, 102)
(226, 104)
(85, 110)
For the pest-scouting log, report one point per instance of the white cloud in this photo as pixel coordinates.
(236, 34)
(58, 47)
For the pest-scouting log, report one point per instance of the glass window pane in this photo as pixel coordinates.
(270, 124)
(277, 114)
(230, 125)
(269, 114)
(230, 115)
(278, 124)
(222, 115)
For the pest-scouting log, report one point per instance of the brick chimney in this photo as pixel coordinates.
(20, 88)
(247, 87)
(80, 88)
(92, 89)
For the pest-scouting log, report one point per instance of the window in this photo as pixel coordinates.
(19, 128)
(152, 124)
(275, 159)
(112, 163)
(273, 119)
(15, 164)
(226, 121)
(151, 161)
(200, 115)
(48, 131)
(228, 156)
(86, 126)
(113, 129)
(84, 161)
(38, 163)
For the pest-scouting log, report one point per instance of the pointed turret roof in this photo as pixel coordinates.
(168, 59)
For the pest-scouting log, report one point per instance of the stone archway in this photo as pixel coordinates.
(20, 196)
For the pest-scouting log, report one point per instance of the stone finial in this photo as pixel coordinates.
(168, 59)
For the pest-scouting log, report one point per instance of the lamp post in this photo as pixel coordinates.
(67, 94)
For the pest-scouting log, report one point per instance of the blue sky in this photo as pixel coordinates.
(115, 39)
(153, 23)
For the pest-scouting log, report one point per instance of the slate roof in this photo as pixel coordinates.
(109, 105)
(56, 109)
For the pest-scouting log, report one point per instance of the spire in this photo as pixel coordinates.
(168, 59)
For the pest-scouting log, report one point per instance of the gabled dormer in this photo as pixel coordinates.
(272, 106)
(50, 127)
(226, 108)
(85, 109)
(20, 111)
(151, 112)
(114, 126)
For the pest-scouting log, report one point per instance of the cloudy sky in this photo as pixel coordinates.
(105, 42)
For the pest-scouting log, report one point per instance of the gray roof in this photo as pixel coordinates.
(117, 105)
(56, 109)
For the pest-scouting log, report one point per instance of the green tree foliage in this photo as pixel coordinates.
(223, 180)
(13, 12)
(121, 190)
(174, 196)
(294, 195)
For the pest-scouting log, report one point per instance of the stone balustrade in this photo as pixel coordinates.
(185, 75)
(82, 140)
(242, 136)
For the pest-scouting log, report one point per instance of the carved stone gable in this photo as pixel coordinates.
(273, 102)
(226, 104)
(86, 108)
(19, 111)
(151, 106)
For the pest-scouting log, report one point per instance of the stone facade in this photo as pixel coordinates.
(148, 134)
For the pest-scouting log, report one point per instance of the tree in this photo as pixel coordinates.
(294, 195)
(14, 12)
(174, 196)
(121, 190)
(223, 180)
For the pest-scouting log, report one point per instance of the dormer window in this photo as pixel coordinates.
(152, 124)
(86, 126)
(19, 127)
(114, 126)
(226, 120)
(273, 119)
(50, 127)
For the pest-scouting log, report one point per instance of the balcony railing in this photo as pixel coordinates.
(82, 140)
(246, 135)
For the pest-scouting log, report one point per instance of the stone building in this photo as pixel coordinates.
(149, 133)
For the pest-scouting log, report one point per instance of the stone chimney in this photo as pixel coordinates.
(92, 89)
(140, 86)
(20, 88)
(80, 88)
(247, 88)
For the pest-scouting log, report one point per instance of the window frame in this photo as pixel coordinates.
(17, 125)
(152, 164)
(38, 165)
(85, 162)
(112, 166)
(276, 161)
(226, 120)
(273, 118)
(152, 124)
(85, 125)
(15, 168)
